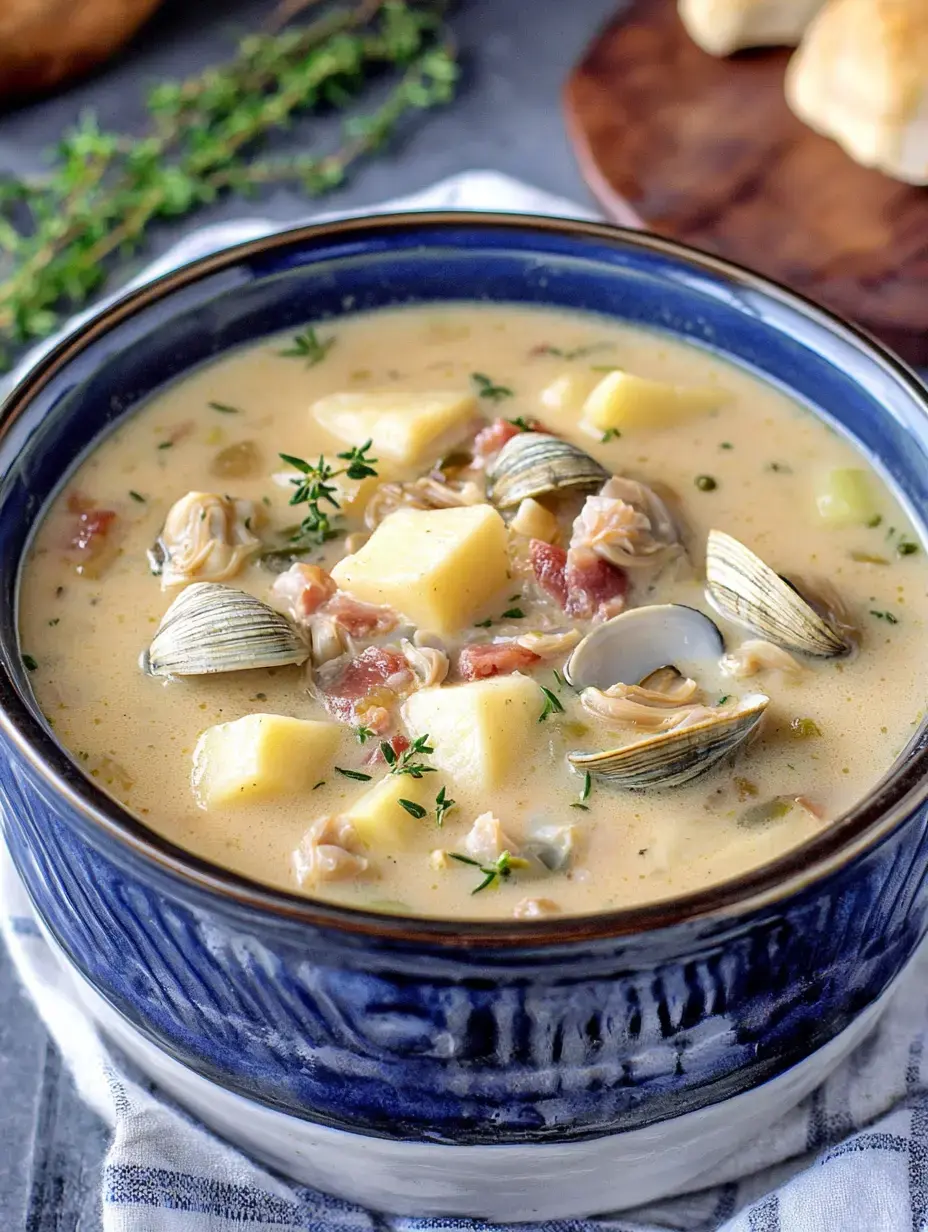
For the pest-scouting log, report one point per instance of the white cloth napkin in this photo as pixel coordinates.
(853, 1157)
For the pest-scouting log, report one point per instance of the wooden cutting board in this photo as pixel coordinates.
(707, 151)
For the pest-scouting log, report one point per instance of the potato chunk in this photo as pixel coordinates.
(407, 427)
(480, 731)
(535, 521)
(846, 498)
(436, 566)
(624, 402)
(381, 821)
(261, 756)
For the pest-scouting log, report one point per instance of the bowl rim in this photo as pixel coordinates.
(886, 807)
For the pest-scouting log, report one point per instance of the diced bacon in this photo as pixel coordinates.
(361, 619)
(398, 743)
(494, 659)
(302, 590)
(366, 689)
(493, 437)
(596, 589)
(550, 566)
(86, 538)
(582, 583)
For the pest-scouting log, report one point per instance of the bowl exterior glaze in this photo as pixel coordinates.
(453, 1032)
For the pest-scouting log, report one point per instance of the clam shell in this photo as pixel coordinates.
(534, 463)
(213, 628)
(632, 645)
(740, 586)
(671, 758)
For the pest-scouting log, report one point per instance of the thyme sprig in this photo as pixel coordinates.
(62, 234)
(406, 763)
(316, 487)
(500, 869)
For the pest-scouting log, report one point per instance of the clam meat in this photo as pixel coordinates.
(212, 628)
(205, 538)
(627, 524)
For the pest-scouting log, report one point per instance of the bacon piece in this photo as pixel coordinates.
(361, 619)
(596, 589)
(366, 689)
(550, 566)
(494, 659)
(86, 542)
(302, 590)
(582, 583)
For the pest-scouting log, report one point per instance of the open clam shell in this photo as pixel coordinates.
(534, 463)
(635, 643)
(213, 628)
(740, 586)
(674, 757)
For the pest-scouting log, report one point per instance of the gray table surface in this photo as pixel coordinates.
(517, 53)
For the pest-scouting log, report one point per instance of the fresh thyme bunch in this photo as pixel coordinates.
(61, 236)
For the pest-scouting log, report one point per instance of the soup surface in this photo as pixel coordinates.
(407, 745)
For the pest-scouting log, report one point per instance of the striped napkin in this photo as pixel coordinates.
(853, 1157)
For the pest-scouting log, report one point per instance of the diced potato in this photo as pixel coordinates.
(481, 731)
(534, 520)
(379, 818)
(846, 498)
(436, 566)
(625, 402)
(352, 494)
(261, 756)
(568, 392)
(407, 427)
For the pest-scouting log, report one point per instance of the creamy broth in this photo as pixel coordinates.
(748, 461)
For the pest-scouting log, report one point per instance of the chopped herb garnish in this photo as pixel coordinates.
(577, 805)
(559, 678)
(501, 868)
(223, 408)
(705, 483)
(579, 352)
(804, 729)
(315, 487)
(610, 434)
(30, 663)
(443, 805)
(516, 596)
(726, 697)
(165, 444)
(523, 424)
(487, 388)
(54, 622)
(587, 787)
(779, 468)
(363, 734)
(405, 763)
(726, 445)
(483, 624)
(354, 774)
(887, 616)
(513, 613)
(875, 521)
(905, 547)
(137, 496)
(414, 810)
(321, 783)
(260, 697)
(552, 705)
(309, 347)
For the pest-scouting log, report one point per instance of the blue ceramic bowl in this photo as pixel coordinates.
(420, 1030)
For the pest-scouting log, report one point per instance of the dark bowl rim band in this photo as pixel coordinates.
(130, 841)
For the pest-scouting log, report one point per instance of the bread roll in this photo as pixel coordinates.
(723, 26)
(861, 77)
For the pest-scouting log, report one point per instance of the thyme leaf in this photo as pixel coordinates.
(443, 804)
(316, 489)
(487, 388)
(552, 705)
(414, 810)
(406, 762)
(224, 408)
(354, 774)
(308, 346)
(499, 870)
